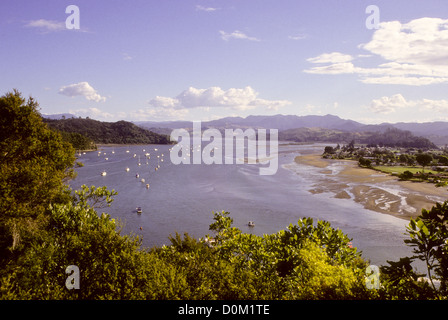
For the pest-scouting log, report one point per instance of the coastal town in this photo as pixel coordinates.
(413, 164)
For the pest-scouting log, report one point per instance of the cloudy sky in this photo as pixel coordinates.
(207, 59)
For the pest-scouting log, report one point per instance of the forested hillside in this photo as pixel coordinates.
(121, 132)
(390, 138)
(399, 138)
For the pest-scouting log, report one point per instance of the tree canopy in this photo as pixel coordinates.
(34, 163)
(423, 159)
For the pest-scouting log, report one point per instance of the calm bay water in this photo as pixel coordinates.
(181, 198)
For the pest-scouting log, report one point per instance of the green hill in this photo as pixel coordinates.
(392, 137)
(320, 135)
(121, 132)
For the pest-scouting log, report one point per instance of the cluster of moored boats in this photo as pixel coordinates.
(139, 163)
(147, 155)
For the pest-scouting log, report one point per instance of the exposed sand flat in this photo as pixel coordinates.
(313, 160)
(375, 190)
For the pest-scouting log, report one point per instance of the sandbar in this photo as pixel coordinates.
(374, 190)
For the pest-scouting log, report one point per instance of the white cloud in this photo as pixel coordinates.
(206, 9)
(126, 56)
(416, 54)
(92, 113)
(435, 105)
(309, 108)
(421, 41)
(82, 89)
(387, 105)
(298, 37)
(236, 98)
(335, 68)
(268, 104)
(236, 35)
(334, 57)
(158, 114)
(405, 80)
(47, 25)
(165, 102)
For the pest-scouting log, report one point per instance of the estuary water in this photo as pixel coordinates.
(181, 198)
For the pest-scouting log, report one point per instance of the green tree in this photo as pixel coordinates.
(407, 175)
(428, 235)
(351, 146)
(78, 141)
(365, 162)
(306, 261)
(423, 159)
(400, 281)
(329, 150)
(443, 160)
(34, 163)
(403, 158)
(112, 266)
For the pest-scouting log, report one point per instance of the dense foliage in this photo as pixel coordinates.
(428, 235)
(121, 132)
(78, 141)
(34, 162)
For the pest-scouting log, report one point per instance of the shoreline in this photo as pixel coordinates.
(375, 190)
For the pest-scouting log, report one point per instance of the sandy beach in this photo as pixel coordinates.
(375, 190)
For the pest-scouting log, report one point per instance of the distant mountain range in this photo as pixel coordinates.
(436, 132)
(328, 128)
(280, 122)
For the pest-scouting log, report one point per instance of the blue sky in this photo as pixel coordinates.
(207, 59)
